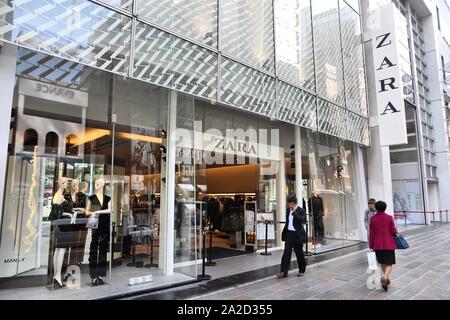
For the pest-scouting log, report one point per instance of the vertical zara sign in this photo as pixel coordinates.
(388, 79)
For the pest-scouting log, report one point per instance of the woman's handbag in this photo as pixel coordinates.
(401, 242)
(92, 222)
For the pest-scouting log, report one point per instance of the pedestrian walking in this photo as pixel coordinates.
(368, 214)
(294, 236)
(382, 233)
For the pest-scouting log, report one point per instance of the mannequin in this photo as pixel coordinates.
(99, 205)
(61, 211)
(79, 206)
(315, 206)
(78, 197)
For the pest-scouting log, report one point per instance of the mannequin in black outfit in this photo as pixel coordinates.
(315, 205)
(79, 205)
(100, 206)
(61, 217)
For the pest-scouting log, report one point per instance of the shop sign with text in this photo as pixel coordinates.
(388, 80)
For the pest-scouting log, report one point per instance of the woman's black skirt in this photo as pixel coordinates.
(385, 256)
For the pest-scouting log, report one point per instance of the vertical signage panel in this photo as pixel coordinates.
(388, 79)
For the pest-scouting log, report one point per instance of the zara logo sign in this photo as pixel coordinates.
(388, 83)
(390, 102)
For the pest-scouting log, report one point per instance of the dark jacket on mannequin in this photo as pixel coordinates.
(315, 206)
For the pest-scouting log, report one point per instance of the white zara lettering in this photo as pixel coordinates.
(234, 146)
(389, 85)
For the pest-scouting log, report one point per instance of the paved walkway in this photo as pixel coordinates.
(422, 272)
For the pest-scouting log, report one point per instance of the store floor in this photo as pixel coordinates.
(118, 285)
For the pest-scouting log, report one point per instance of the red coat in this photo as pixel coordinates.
(382, 232)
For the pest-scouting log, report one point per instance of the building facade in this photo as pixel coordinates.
(443, 40)
(415, 175)
(129, 127)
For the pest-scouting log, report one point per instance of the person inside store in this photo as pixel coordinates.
(294, 236)
(315, 206)
(382, 233)
(368, 214)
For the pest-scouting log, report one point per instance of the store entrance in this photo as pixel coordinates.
(227, 191)
(235, 196)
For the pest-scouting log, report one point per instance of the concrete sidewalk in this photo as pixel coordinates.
(422, 272)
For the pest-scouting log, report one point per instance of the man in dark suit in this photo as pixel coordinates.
(294, 236)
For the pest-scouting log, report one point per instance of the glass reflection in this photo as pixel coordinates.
(328, 53)
(196, 19)
(247, 32)
(295, 56)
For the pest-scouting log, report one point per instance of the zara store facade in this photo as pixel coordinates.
(151, 110)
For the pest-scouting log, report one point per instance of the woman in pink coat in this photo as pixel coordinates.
(382, 232)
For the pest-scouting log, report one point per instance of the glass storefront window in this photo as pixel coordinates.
(100, 198)
(82, 208)
(47, 190)
(332, 197)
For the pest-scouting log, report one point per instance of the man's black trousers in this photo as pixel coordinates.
(293, 242)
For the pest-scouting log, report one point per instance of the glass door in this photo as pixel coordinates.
(137, 160)
(190, 218)
(266, 198)
(325, 194)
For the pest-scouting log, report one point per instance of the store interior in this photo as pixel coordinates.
(235, 196)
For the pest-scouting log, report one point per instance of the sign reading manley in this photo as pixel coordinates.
(388, 79)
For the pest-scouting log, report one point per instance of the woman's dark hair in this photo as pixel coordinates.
(381, 206)
(292, 199)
